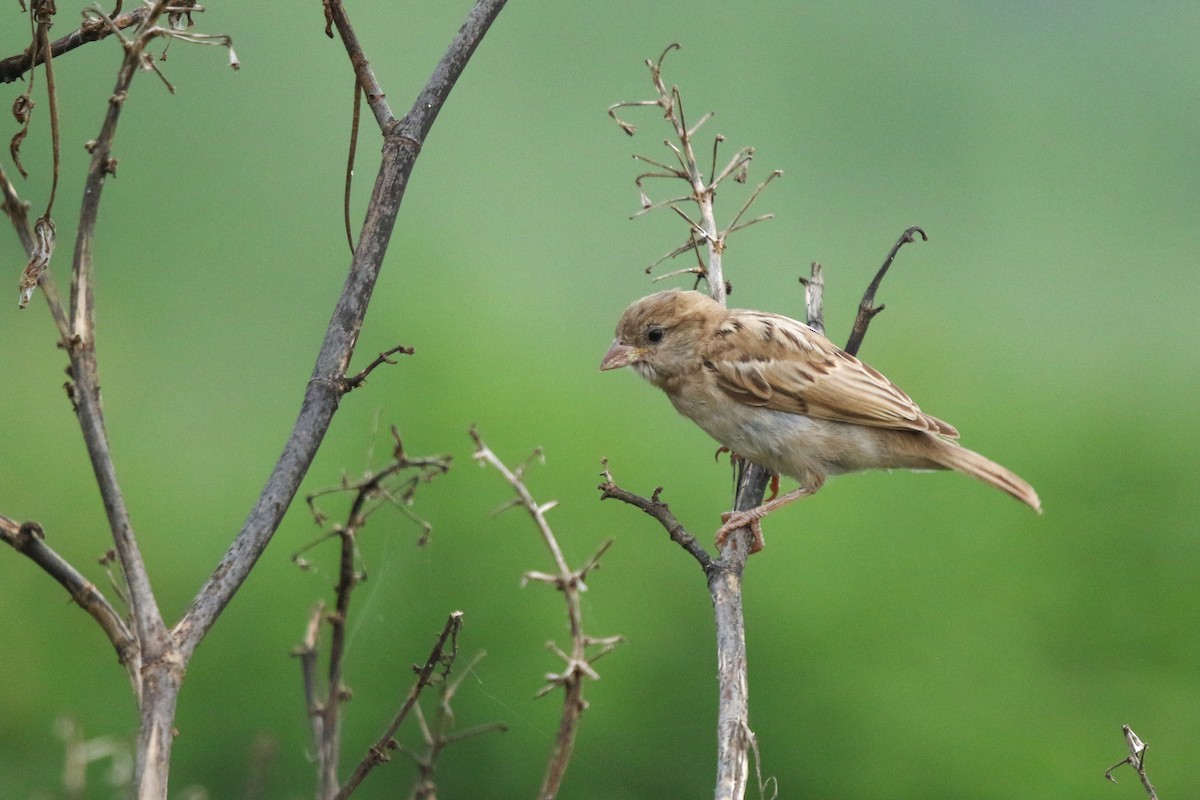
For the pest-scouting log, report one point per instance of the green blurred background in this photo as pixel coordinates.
(909, 635)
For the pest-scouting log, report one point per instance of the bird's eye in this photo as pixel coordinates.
(655, 334)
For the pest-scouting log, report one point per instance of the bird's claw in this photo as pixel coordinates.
(734, 520)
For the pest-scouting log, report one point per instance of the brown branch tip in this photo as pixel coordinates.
(701, 182)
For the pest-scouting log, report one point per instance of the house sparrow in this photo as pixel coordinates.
(778, 393)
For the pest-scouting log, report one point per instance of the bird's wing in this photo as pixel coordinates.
(775, 362)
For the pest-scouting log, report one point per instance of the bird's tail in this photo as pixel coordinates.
(956, 457)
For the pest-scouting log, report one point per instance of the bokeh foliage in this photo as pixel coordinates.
(908, 634)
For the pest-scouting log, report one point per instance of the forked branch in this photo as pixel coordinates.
(402, 139)
(441, 659)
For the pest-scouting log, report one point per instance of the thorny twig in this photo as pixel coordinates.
(441, 734)
(571, 583)
(442, 656)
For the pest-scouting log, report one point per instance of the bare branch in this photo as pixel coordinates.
(442, 655)
(1135, 759)
(29, 540)
(867, 311)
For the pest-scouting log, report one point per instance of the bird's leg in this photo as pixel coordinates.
(734, 458)
(739, 519)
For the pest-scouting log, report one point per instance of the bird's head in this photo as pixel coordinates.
(659, 334)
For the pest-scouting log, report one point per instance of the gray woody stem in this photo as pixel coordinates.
(156, 657)
(401, 146)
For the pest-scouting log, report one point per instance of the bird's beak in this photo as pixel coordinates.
(620, 355)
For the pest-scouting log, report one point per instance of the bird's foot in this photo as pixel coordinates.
(733, 520)
(751, 516)
(734, 457)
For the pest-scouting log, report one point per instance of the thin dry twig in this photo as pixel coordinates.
(659, 510)
(441, 734)
(584, 649)
(352, 150)
(92, 30)
(1135, 759)
(442, 656)
(866, 308)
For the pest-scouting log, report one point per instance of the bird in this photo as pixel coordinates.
(779, 393)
